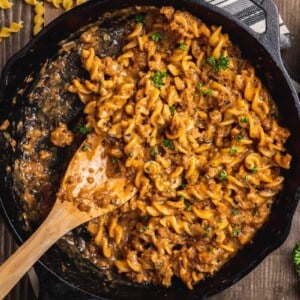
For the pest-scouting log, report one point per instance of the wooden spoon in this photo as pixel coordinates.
(85, 193)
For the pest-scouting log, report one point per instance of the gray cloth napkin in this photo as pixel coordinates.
(254, 17)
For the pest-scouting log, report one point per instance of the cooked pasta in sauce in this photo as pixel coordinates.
(186, 120)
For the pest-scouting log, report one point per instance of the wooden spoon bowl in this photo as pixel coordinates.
(85, 193)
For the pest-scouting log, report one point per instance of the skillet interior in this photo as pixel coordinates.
(267, 239)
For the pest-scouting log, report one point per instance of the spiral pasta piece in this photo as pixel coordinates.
(6, 32)
(38, 19)
(5, 4)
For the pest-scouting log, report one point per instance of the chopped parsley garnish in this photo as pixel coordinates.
(247, 177)
(207, 230)
(153, 152)
(85, 148)
(158, 265)
(168, 144)
(244, 120)
(172, 110)
(239, 138)
(223, 175)
(115, 160)
(140, 19)
(158, 78)
(189, 207)
(203, 91)
(222, 63)
(235, 212)
(82, 130)
(131, 154)
(254, 170)
(183, 186)
(256, 213)
(157, 36)
(144, 228)
(235, 232)
(181, 197)
(296, 256)
(233, 150)
(182, 46)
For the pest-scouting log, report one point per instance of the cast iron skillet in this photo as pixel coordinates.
(262, 50)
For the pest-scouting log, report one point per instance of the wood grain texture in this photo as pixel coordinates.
(274, 278)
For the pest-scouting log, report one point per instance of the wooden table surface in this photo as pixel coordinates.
(274, 278)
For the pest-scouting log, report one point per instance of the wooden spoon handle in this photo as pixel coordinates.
(13, 269)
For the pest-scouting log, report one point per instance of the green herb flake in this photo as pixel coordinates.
(207, 230)
(131, 154)
(235, 232)
(256, 213)
(156, 36)
(172, 110)
(145, 218)
(82, 130)
(144, 228)
(140, 19)
(181, 197)
(115, 160)
(233, 150)
(203, 91)
(239, 138)
(235, 212)
(158, 265)
(247, 177)
(254, 170)
(223, 175)
(182, 186)
(153, 152)
(158, 78)
(296, 257)
(85, 148)
(222, 63)
(189, 207)
(244, 120)
(168, 144)
(182, 46)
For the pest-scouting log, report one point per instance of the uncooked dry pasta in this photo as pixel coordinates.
(31, 2)
(5, 32)
(5, 4)
(38, 19)
(188, 122)
(67, 4)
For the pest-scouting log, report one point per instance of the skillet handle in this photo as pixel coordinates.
(270, 38)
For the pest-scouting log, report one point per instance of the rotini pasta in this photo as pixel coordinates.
(6, 32)
(38, 19)
(188, 122)
(5, 4)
